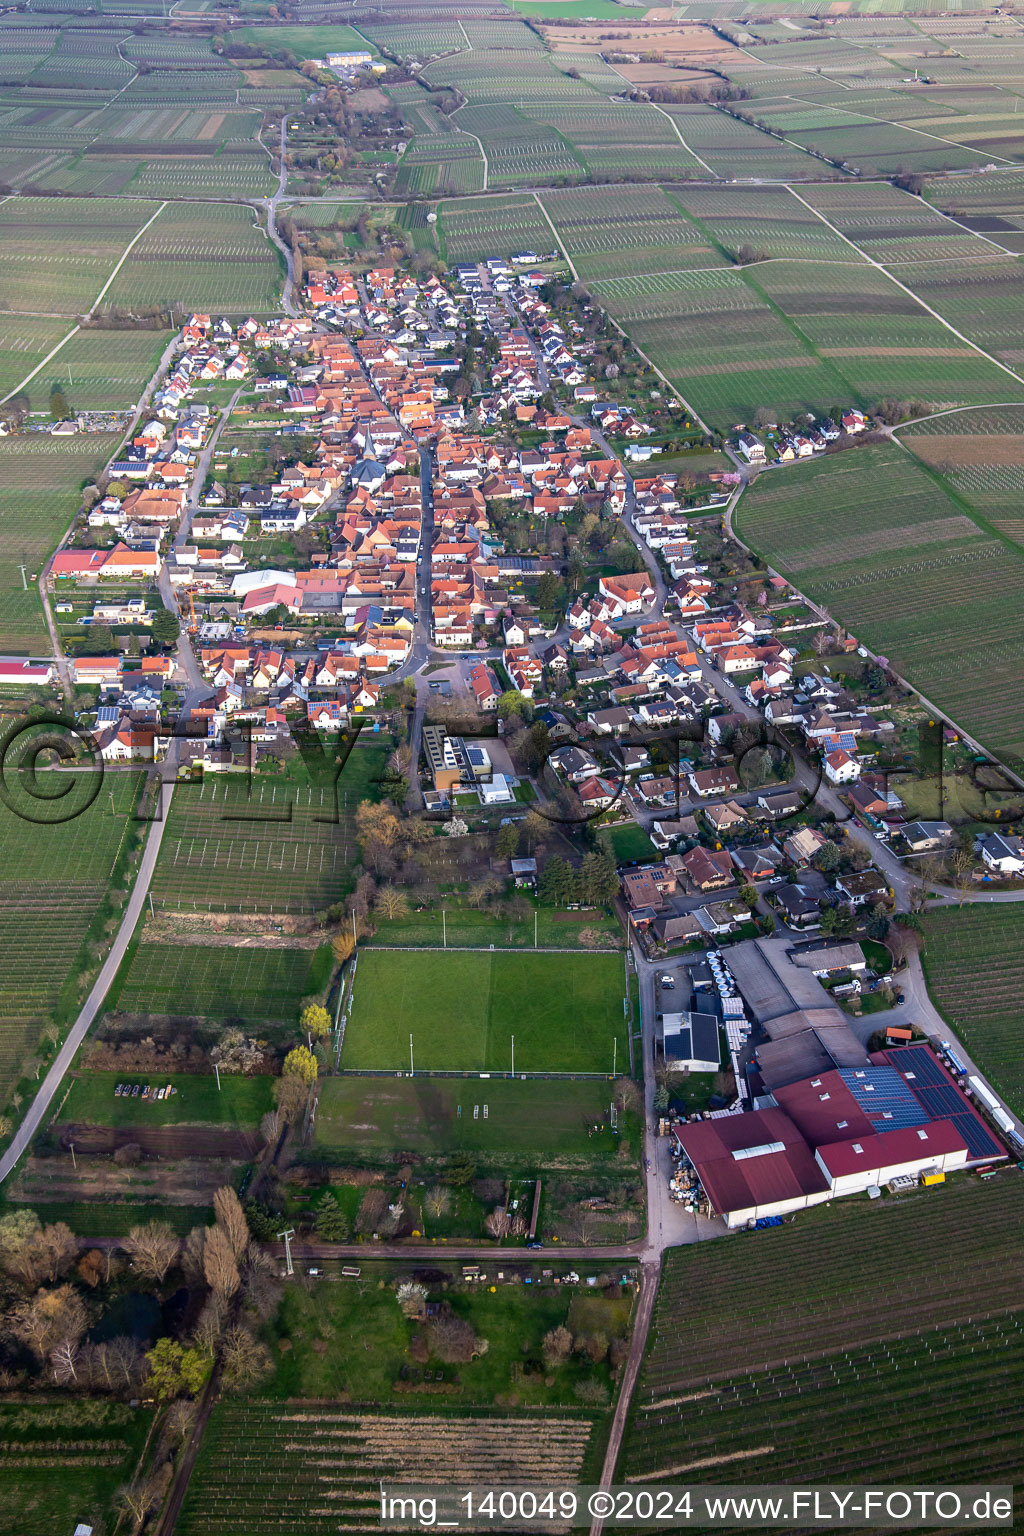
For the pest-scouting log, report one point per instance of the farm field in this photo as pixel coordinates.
(238, 985)
(58, 255)
(900, 562)
(980, 453)
(240, 1101)
(24, 341)
(891, 226)
(492, 227)
(53, 883)
(279, 851)
(463, 1008)
(789, 1348)
(633, 229)
(527, 1123)
(64, 1459)
(974, 962)
(41, 477)
(768, 220)
(211, 255)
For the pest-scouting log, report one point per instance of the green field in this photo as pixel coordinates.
(64, 1459)
(240, 1101)
(467, 928)
(54, 887)
(526, 1122)
(462, 1010)
(629, 843)
(799, 1341)
(234, 984)
(974, 964)
(898, 560)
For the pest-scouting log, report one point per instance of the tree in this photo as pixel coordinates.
(245, 1359)
(331, 1222)
(511, 703)
(342, 946)
(392, 902)
(48, 1319)
(18, 1234)
(599, 879)
(557, 1346)
(138, 1498)
(64, 1362)
(219, 1264)
(497, 1223)
(152, 1248)
(438, 1200)
(877, 926)
(90, 1268)
(166, 627)
(453, 1339)
(316, 1021)
(536, 827)
(231, 1218)
(827, 857)
(301, 1063)
(748, 895)
(58, 404)
(175, 1371)
(192, 1255)
(506, 844)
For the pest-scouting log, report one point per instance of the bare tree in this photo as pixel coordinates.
(127, 1360)
(497, 1223)
(58, 1248)
(210, 1324)
(219, 1264)
(192, 1255)
(438, 1200)
(48, 1319)
(138, 1498)
(153, 1249)
(962, 862)
(270, 1127)
(557, 1345)
(392, 902)
(245, 1359)
(64, 1359)
(228, 1210)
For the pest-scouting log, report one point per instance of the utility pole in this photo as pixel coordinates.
(513, 1055)
(615, 1054)
(535, 927)
(412, 1066)
(216, 1069)
(24, 583)
(150, 895)
(444, 929)
(288, 1234)
(74, 1162)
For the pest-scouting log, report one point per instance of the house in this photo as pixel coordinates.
(664, 834)
(724, 818)
(867, 887)
(801, 846)
(799, 907)
(866, 800)
(708, 869)
(485, 688)
(787, 802)
(841, 767)
(750, 448)
(25, 674)
(757, 863)
(524, 873)
(925, 836)
(1002, 854)
(714, 781)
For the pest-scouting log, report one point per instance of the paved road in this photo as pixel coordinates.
(287, 293)
(94, 1002)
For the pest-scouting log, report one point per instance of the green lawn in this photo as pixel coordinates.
(462, 1010)
(241, 1100)
(525, 1121)
(103, 1218)
(247, 985)
(466, 928)
(628, 843)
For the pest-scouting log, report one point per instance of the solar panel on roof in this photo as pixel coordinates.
(943, 1101)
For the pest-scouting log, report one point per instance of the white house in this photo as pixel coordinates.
(841, 768)
(1003, 854)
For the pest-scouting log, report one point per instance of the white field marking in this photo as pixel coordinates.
(911, 294)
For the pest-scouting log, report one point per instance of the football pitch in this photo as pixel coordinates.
(462, 1010)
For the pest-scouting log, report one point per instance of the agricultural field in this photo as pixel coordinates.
(769, 221)
(624, 138)
(974, 961)
(306, 42)
(58, 255)
(519, 151)
(722, 344)
(629, 230)
(280, 851)
(239, 1102)
(64, 1459)
(898, 560)
(24, 341)
(891, 226)
(526, 1123)
(790, 1347)
(983, 300)
(737, 152)
(980, 453)
(55, 888)
(493, 227)
(463, 1007)
(41, 476)
(237, 985)
(213, 256)
(101, 370)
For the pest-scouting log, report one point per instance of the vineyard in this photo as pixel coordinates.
(63, 1461)
(899, 563)
(58, 255)
(269, 1469)
(769, 220)
(633, 229)
(53, 884)
(791, 1344)
(279, 850)
(974, 963)
(493, 227)
(565, 1012)
(211, 255)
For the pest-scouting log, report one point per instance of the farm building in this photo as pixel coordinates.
(839, 1132)
(25, 674)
